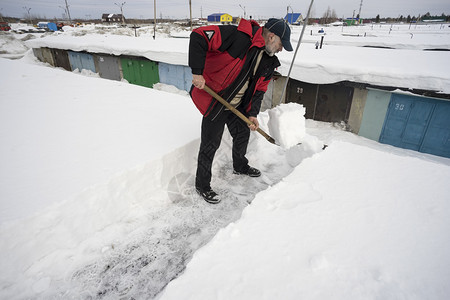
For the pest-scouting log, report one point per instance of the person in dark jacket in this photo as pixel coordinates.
(238, 63)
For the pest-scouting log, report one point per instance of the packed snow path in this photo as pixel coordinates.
(151, 256)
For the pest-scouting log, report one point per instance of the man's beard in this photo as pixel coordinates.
(270, 53)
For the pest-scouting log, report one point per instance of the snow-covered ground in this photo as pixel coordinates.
(349, 53)
(96, 200)
(349, 223)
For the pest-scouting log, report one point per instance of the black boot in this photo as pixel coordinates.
(252, 172)
(209, 195)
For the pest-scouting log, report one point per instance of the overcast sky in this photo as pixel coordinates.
(256, 9)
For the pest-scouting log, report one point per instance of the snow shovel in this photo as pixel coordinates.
(238, 113)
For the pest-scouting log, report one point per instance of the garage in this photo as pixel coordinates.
(418, 123)
(61, 59)
(140, 71)
(81, 60)
(326, 102)
(179, 76)
(107, 66)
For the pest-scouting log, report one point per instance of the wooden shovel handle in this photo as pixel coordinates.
(237, 113)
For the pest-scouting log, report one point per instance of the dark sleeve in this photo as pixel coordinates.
(256, 103)
(205, 39)
(197, 53)
(261, 87)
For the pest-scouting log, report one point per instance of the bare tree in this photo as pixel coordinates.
(329, 16)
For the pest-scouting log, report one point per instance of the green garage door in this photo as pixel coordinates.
(139, 71)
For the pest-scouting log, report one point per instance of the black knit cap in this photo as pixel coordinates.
(280, 28)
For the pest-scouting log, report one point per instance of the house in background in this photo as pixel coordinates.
(294, 18)
(220, 18)
(353, 21)
(112, 18)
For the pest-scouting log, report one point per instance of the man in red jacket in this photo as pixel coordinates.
(237, 63)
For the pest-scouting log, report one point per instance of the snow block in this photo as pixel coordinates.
(287, 124)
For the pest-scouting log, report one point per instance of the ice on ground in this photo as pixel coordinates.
(287, 124)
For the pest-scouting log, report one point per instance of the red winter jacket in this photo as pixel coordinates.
(226, 55)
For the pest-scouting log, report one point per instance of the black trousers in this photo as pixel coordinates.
(211, 137)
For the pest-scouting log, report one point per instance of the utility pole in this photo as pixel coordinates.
(154, 22)
(1, 15)
(28, 12)
(190, 11)
(359, 14)
(243, 9)
(68, 13)
(65, 16)
(121, 10)
(287, 13)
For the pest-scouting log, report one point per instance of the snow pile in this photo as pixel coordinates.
(287, 124)
(56, 144)
(167, 50)
(327, 232)
(11, 46)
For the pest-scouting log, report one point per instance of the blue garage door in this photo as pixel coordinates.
(79, 60)
(437, 138)
(187, 78)
(179, 76)
(416, 123)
